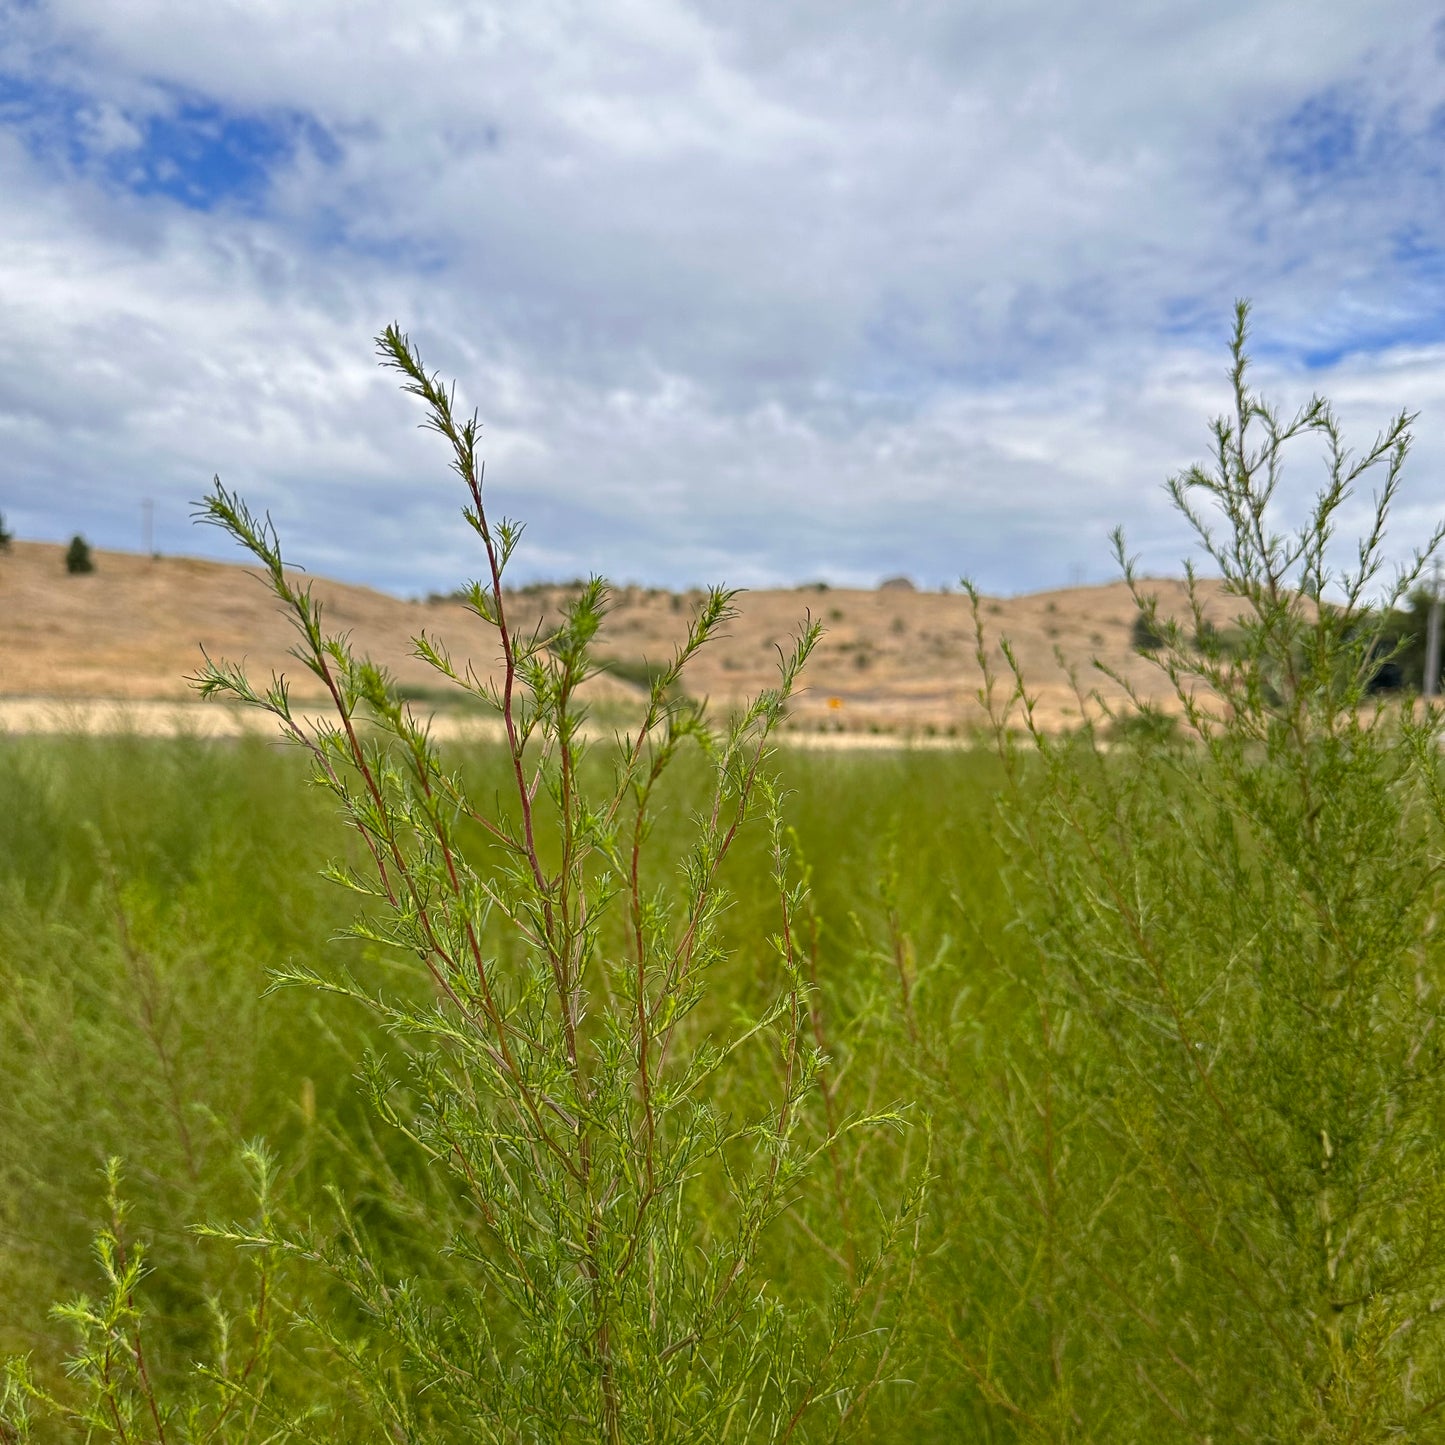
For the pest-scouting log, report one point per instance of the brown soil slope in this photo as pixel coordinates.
(893, 660)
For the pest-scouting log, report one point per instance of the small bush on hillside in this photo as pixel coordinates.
(1146, 725)
(6, 537)
(77, 557)
(641, 672)
(1146, 635)
(1400, 644)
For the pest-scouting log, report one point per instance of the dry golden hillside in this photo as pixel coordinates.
(893, 660)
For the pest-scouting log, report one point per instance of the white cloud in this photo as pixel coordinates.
(107, 130)
(754, 292)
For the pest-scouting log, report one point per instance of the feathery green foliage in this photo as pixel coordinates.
(595, 1268)
(1239, 1004)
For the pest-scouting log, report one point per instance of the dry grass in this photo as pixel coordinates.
(891, 661)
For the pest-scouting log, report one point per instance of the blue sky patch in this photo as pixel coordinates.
(194, 151)
(1318, 138)
(1413, 246)
(1422, 328)
(200, 157)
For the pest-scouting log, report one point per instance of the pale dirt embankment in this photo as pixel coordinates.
(113, 649)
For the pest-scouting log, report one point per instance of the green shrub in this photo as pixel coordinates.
(1239, 1168)
(1401, 633)
(77, 557)
(1147, 725)
(6, 536)
(1146, 634)
(641, 672)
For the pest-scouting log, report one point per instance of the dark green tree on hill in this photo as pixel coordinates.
(6, 537)
(77, 556)
(1145, 635)
(1401, 645)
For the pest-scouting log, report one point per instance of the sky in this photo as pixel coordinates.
(761, 293)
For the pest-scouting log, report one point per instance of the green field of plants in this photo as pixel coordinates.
(149, 886)
(1080, 1088)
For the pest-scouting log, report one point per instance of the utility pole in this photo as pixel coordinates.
(1432, 639)
(148, 526)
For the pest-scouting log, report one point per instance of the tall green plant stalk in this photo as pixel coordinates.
(597, 1272)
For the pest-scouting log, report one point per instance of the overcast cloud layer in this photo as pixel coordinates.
(753, 292)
